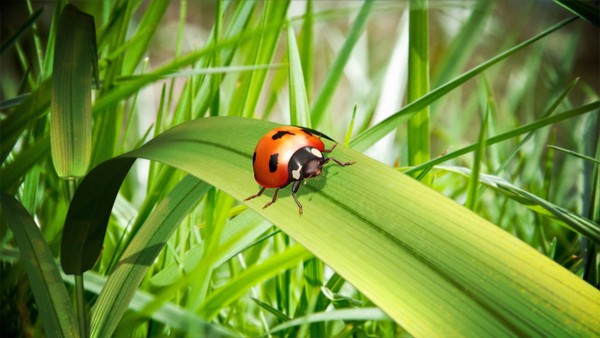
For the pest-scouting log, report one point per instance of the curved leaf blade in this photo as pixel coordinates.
(431, 265)
(87, 218)
(46, 283)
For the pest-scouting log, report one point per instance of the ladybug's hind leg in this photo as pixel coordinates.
(256, 195)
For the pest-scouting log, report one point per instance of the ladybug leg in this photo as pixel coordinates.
(295, 188)
(274, 198)
(256, 195)
(333, 159)
(343, 164)
(329, 150)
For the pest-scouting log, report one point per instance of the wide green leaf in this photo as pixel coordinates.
(88, 215)
(430, 264)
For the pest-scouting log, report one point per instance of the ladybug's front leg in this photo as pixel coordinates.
(329, 150)
(343, 164)
(295, 188)
(333, 159)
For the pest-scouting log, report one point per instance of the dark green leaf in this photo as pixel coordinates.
(49, 291)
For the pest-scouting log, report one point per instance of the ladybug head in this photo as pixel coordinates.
(312, 168)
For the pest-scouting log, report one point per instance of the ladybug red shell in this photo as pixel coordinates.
(289, 154)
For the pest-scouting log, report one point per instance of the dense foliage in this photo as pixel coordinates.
(491, 104)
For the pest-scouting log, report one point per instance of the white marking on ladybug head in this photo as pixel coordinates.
(316, 152)
(296, 173)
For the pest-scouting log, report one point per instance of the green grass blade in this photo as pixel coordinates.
(140, 254)
(336, 70)
(418, 81)
(48, 288)
(71, 118)
(580, 224)
(473, 187)
(7, 43)
(306, 49)
(576, 154)
(591, 107)
(299, 108)
(239, 234)
(273, 17)
(146, 29)
(369, 137)
(383, 246)
(32, 107)
(587, 10)
(15, 171)
(169, 314)
(529, 135)
(238, 286)
(361, 314)
(463, 46)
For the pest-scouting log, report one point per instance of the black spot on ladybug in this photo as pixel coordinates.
(273, 163)
(281, 134)
(254, 158)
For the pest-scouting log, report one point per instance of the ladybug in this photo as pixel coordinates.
(289, 154)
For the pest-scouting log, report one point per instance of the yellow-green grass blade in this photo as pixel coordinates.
(141, 252)
(51, 297)
(367, 138)
(71, 117)
(432, 265)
